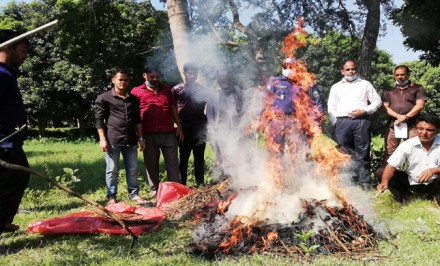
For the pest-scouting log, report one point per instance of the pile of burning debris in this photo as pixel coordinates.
(320, 229)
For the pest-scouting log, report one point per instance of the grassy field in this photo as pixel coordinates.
(413, 230)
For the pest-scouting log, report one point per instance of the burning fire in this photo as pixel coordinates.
(301, 164)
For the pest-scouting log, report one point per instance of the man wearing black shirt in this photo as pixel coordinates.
(120, 131)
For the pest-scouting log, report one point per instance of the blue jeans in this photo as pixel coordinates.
(129, 153)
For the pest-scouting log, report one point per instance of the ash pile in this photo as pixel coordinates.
(319, 229)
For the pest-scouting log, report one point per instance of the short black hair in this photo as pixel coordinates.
(6, 35)
(150, 69)
(121, 71)
(348, 60)
(430, 119)
(402, 66)
(189, 67)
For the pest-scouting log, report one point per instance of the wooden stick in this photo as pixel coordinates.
(334, 236)
(24, 35)
(75, 194)
(13, 134)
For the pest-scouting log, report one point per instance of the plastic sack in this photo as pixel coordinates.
(140, 220)
(169, 192)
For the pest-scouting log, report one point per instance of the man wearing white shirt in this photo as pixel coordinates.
(350, 103)
(421, 155)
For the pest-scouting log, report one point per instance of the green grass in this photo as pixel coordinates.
(414, 237)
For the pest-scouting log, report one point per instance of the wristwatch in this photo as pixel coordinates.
(141, 139)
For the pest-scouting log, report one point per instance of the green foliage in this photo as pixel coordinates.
(377, 149)
(419, 22)
(304, 237)
(68, 178)
(71, 63)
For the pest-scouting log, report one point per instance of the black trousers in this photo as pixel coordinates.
(400, 182)
(195, 141)
(12, 184)
(354, 137)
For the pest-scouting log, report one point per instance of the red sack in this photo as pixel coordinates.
(147, 219)
(170, 191)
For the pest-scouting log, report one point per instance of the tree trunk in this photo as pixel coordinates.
(179, 24)
(369, 39)
(42, 124)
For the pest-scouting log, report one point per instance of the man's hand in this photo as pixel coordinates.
(141, 144)
(357, 113)
(401, 119)
(425, 176)
(179, 134)
(104, 145)
(381, 187)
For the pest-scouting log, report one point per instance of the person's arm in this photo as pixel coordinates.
(331, 106)
(420, 104)
(373, 98)
(390, 112)
(175, 115)
(388, 173)
(427, 174)
(101, 114)
(141, 140)
(103, 144)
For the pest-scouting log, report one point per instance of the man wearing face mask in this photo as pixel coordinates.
(350, 103)
(191, 103)
(282, 91)
(158, 114)
(403, 103)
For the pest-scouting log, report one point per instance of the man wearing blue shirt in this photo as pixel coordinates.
(12, 116)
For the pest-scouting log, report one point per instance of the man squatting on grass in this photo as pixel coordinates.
(421, 154)
(120, 131)
(12, 115)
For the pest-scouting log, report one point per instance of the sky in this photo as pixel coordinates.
(392, 42)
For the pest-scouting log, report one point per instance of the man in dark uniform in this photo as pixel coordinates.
(12, 116)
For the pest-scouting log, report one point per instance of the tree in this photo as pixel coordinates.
(274, 19)
(71, 63)
(419, 22)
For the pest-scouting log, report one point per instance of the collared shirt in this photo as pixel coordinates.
(12, 111)
(284, 93)
(155, 108)
(348, 96)
(403, 100)
(191, 103)
(118, 117)
(417, 158)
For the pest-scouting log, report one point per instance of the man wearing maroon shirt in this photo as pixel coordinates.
(403, 103)
(191, 103)
(158, 114)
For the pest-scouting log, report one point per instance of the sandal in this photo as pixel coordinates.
(11, 228)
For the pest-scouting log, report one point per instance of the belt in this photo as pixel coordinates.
(352, 118)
